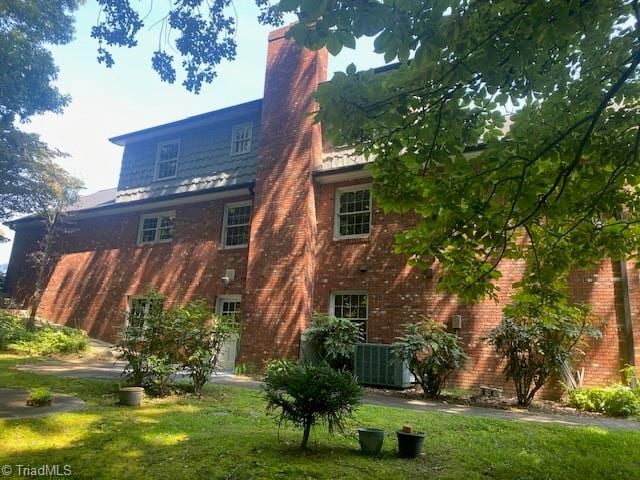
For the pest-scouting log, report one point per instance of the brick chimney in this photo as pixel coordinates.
(281, 259)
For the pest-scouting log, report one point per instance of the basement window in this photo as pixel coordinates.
(140, 308)
(167, 159)
(156, 228)
(235, 231)
(241, 138)
(353, 306)
(352, 212)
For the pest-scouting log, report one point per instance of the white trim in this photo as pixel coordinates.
(157, 165)
(223, 239)
(226, 298)
(123, 207)
(158, 215)
(236, 128)
(337, 177)
(332, 306)
(336, 211)
(128, 310)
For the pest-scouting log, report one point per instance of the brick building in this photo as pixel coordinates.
(243, 207)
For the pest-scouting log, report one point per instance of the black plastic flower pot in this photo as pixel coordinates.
(410, 445)
(371, 440)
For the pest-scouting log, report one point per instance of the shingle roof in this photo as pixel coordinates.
(95, 199)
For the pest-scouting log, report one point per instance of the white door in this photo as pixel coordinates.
(228, 305)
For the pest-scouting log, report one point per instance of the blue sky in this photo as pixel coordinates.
(130, 96)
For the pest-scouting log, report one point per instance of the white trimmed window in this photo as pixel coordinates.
(167, 159)
(353, 306)
(139, 309)
(235, 231)
(352, 212)
(156, 227)
(241, 138)
(229, 306)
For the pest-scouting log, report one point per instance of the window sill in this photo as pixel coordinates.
(233, 247)
(353, 238)
(150, 244)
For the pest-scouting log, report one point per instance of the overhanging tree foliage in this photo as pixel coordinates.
(548, 188)
(27, 73)
(554, 184)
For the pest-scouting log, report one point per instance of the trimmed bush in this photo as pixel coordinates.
(39, 397)
(305, 394)
(431, 353)
(615, 400)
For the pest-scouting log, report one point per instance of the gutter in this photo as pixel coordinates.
(132, 204)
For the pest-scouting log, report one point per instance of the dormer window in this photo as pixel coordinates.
(241, 138)
(167, 159)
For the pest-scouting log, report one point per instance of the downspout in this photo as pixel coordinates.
(628, 325)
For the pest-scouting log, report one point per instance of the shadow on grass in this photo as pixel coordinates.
(225, 434)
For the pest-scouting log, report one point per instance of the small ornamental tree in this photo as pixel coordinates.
(305, 394)
(149, 346)
(202, 337)
(334, 339)
(540, 333)
(161, 342)
(431, 354)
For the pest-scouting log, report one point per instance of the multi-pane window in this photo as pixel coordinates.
(354, 306)
(140, 308)
(353, 212)
(156, 227)
(167, 159)
(241, 138)
(229, 306)
(237, 217)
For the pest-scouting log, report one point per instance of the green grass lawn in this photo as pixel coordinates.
(227, 435)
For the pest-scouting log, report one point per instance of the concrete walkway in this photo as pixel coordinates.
(112, 370)
(13, 404)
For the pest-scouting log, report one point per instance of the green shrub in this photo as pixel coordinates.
(150, 346)
(431, 354)
(333, 339)
(615, 400)
(12, 329)
(39, 397)
(188, 338)
(202, 336)
(44, 340)
(305, 394)
(537, 336)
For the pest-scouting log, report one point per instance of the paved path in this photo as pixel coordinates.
(112, 370)
(13, 404)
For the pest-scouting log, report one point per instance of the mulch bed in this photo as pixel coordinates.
(500, 403)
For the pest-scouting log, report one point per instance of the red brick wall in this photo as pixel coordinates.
(102, 264)
(400, 294)
(281, 262)
(293, 263)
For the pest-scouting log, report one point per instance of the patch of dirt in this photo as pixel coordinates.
(500, 403)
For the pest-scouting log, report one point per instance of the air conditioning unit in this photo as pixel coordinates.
(375, 365)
